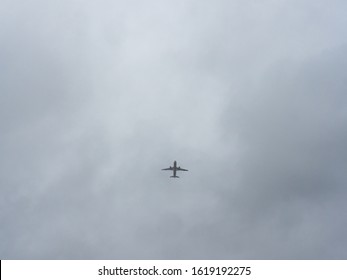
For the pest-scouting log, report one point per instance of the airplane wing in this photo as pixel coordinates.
(181, 169)
(170, 168)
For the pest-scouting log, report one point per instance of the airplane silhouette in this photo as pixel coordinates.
(175, 169)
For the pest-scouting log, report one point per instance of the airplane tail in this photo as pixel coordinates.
(174, 177)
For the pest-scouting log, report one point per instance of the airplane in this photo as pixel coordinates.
(175, 169)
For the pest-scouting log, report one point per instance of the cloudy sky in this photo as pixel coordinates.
(97, 96)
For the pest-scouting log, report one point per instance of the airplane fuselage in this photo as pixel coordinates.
(174, 170)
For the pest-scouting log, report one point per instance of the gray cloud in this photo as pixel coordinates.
(96, 98)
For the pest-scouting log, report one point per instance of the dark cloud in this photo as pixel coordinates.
(291, 167)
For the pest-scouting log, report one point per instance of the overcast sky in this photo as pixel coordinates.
(96, 97)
